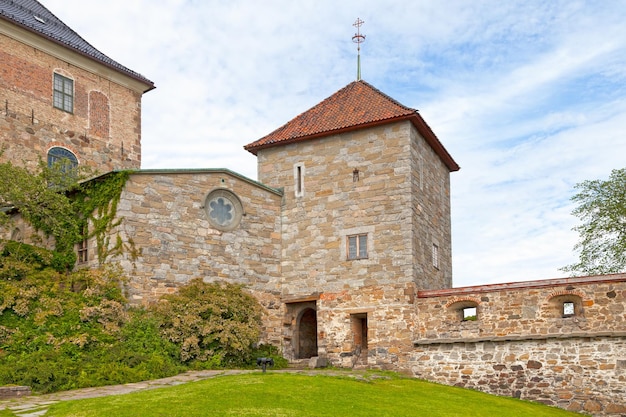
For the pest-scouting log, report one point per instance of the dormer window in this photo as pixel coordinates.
(63, 93)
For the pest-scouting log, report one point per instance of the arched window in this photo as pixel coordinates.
(63, 157)
(566, 305)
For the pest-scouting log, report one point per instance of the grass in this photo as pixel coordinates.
(281, 394)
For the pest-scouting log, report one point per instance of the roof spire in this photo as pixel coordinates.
(358, 39)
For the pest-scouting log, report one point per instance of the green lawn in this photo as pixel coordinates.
(281, 394)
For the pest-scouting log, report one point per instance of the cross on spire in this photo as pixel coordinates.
(358, 38)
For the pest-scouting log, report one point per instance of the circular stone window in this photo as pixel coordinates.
(224, 209)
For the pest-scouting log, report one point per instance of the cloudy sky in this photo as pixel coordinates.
(529, 96)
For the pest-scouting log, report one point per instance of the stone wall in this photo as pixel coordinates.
(389, 314)
(522, 344)
(165, 225)
(104, 129)
(432, 229)
(358, 183)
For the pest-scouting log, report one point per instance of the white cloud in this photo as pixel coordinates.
(528, 96)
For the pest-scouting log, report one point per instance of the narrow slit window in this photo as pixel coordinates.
(299, 180)
(357, 247)
(435, 256)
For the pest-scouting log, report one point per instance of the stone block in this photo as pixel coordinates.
(318, 362)
(14, 391)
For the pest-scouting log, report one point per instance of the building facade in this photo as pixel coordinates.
(345, 238)
(61, 98)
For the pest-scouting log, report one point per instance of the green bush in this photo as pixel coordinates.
(61, 331)
(213, 324)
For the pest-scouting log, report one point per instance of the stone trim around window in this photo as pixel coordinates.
(224, 209)
(357, 246)
(367, 233)
(298, 179)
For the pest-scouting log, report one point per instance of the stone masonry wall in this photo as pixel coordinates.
(164, 220)
(430, 188)
(390, 325)
(104, 130)
(523, 345)
(352, 183)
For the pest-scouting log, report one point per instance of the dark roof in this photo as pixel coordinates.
(33, 16)
(193, 171)
(358, 105)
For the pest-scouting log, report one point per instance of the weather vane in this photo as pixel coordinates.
(358, 39)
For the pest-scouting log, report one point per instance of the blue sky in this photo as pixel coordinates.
(529, 97)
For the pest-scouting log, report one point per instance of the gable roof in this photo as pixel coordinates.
(356, 106)
(34, 17)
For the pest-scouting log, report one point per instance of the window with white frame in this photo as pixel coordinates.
(435, 256)
(298, 177)
(356, 246)
(63, 93)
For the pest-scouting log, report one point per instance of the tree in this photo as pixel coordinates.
(602, 209)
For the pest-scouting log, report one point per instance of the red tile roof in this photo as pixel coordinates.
(358, 105)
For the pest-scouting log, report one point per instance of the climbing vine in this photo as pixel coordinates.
(59, 202)
(96, 206)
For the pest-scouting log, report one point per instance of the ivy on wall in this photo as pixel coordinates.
(61, 204)
(96, 206)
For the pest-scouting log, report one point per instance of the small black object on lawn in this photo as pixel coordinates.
(263, 362)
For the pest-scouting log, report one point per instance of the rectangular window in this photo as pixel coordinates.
(83, 254)
(435, 256)
(469, 314)
(82, 246)
(298, 174)
(63, 93)
(568, 309)
(357, 247)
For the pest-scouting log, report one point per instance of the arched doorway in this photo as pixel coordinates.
(307, 334)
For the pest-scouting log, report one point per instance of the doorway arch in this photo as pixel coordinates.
(307, 334)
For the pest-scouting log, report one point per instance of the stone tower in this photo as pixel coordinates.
(365, 218)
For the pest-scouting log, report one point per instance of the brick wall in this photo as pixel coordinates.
(104, 130)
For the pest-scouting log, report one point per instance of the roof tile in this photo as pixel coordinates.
(355, 106)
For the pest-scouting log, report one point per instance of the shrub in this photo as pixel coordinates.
(215, 324)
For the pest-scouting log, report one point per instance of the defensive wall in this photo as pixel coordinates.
(561, 342)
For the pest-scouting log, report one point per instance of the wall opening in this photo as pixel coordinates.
(464, 310)
(566, 305)
(359, 331)
(469, 314)
(307, 334)
(298, 176)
